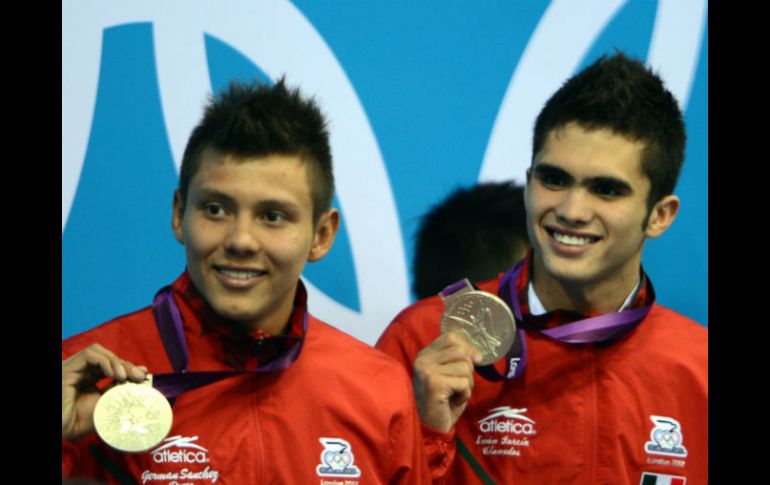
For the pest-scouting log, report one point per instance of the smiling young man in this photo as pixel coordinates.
(602, 384)
(253, 206)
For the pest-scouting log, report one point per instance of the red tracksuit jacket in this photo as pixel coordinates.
(585, 414)
(340, 397)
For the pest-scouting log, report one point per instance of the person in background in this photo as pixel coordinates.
(474, 233)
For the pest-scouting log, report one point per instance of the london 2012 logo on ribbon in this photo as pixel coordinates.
(337, 459)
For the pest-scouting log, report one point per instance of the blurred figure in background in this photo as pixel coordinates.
(474, 233)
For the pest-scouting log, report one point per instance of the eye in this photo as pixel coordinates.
(609, 190)
(274, 217)
(214, 210)
(553, 180)
(606, 191)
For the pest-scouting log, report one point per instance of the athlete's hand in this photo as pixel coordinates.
(443, 380)
(79, 375)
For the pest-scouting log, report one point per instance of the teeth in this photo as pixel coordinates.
(239, 274)
(571, 240)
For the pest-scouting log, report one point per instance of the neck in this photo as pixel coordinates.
(604, 296)
(274, 322)
(269, 328)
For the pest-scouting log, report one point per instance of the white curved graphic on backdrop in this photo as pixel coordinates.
(81, 53)
(562, 38)
(676, 42)
(278, 38)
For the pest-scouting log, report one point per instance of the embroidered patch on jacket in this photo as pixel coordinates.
(337, 459)
(666, 438)
(660, 479)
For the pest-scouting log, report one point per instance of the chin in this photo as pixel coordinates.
(562, 271)
(233, 313)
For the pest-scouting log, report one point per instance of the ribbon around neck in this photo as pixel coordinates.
(591, 330)
(169, 321)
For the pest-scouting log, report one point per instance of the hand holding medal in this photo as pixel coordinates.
(80, 374)
(477, 328)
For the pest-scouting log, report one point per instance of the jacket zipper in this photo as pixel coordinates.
(592, 420)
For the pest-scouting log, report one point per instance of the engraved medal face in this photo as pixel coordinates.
(482, 318)
(133, 417)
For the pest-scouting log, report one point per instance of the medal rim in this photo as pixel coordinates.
(111, 394)
(451, 301)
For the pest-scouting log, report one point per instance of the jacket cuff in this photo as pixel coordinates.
(440, 448)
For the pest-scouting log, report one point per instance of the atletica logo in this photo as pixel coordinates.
(505, 419)
(186, 452)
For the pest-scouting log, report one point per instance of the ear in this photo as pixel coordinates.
(325, 232)
(177, 217)
(662, 216)
(527, 180)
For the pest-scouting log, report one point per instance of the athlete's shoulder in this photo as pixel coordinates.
(129, 331)
(668, 336)
(329, 340)
(677, 323)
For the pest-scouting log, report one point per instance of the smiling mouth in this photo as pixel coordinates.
(240, 274)
(571, 239)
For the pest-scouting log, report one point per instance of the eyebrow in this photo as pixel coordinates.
(211, 193)
(544, 168)
(618, 184)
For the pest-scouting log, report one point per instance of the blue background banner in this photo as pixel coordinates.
(422, 97)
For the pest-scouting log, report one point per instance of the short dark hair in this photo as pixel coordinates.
(257, 120)
(621, 94)
(474, 233)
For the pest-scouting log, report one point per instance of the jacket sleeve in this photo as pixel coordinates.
(440, 450)
(409, 463)
(402, 343)
(78, 462)
(69, 459)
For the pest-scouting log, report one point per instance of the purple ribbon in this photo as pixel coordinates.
(169, 322)
(453, 288)
(597, 329)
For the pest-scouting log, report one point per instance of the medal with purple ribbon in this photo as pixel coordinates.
(134, 417)
(602, 328)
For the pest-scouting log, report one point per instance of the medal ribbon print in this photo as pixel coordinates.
(589, 330)
(169, 322)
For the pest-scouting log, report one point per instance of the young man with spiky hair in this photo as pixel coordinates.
(602, 385)
(262, 391)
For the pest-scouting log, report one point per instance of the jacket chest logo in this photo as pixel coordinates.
(337, 459)
(505, 431)
(666, 438)
(182, 461)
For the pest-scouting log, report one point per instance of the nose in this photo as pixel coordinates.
(242, 238)
(574, 208)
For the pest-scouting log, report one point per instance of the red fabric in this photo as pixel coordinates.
(440, 450)
(264, 428)
(590, 406)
